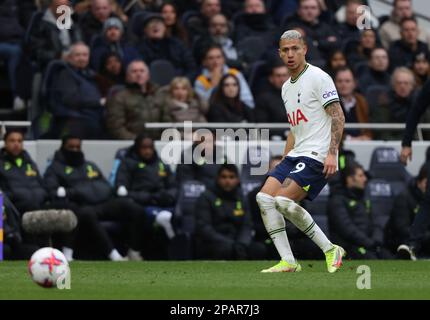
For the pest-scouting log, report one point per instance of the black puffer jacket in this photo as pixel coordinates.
(406, 206)
(21, 182)
(223, 217)
(11, 30)
(84, 184)
(350, 220)
(147, 182)
(44, 44)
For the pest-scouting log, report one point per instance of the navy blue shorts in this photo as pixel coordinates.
(306, 172)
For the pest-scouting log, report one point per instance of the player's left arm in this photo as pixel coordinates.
(334, 110)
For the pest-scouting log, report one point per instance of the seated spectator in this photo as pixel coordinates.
(354, 105)
(201, 161)
(349, 30)
(11, 35)
(14, 246)
(181, 103)
(405, 207)
(80, 186)
(155, 45)
(254, 22)
(395, 106)
(223, 221)
(225, 104)
(112, 40)
(269, 106)
(20, 179)
(85, 5)
(421, 69)
(131, 7)
(390, 29)
(46, 41)
(402, 51)
(362, 50)
(214, 68)
(129, 109)
(173, 24)
(377, 74)
(321, 34)
(197, 25)
(350, 217)
(149, 183)
(111, 73)
(91, 22)
(77, 105)
(336, 60)
(218, 34)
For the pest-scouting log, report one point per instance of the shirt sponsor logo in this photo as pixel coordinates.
(295, 117)
(329, 94)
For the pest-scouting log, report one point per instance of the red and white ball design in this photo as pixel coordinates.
(46, 265)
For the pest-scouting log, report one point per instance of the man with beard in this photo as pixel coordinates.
(82, 188)
(223, 221)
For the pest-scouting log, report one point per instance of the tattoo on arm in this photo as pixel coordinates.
(335, 111)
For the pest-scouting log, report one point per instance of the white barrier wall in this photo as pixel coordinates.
(103, 152)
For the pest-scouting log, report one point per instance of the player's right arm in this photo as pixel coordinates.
(290, 143)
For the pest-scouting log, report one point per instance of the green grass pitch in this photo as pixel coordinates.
(221, 280)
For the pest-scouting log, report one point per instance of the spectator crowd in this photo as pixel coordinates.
(125, 63)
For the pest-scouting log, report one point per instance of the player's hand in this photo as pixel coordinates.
(330, 166)
(406, 154)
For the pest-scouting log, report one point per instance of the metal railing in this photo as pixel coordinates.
(244, 125)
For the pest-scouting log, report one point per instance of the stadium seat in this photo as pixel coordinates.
(380, 194)
(385, 164)
(162, 72)
(255, 157)
(318, 207)
(184, 220)
(116, 162)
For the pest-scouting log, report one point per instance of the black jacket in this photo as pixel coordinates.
(220, 112)
(269, 106)
(401, 54)
(419, 107)
(350, 220)
(405, 207)
(223, 218)
(75, 94)
(171, 49)
(254, 25)
(84, 184)
(148, 182)
(11, 30)
(318, 33)
(44, 44)
(21, 182)
(372, 77)
(90, 26)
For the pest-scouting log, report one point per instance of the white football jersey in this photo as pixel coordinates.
(305, 99)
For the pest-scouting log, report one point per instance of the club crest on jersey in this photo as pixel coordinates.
(295, 117)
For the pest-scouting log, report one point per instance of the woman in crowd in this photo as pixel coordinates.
(181, 103)
(225, 103)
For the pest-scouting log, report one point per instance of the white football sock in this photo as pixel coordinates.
(68, 253)
(164, 220)
(275, 226)
(303, 221)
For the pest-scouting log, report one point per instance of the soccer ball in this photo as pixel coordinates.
(46, 266)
